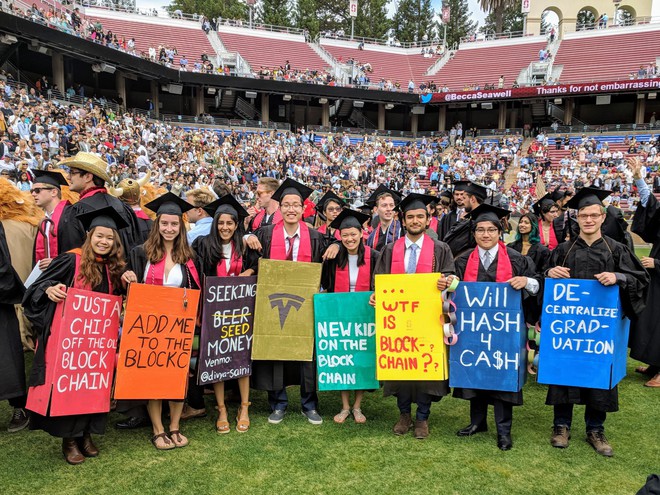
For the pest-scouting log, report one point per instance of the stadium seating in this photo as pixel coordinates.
(190, 40)
(486, 64)
(589, 58)
(270, 49)
(386, 62)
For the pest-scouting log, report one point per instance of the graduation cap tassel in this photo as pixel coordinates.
(185, 298)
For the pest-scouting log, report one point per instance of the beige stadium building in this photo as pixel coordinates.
(566, 11)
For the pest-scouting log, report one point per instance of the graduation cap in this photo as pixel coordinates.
(226, 204)
(477, 190)
(169, 204)
(446, 194)
(365, 208)
(546, 201)
(415, 201)
(290, 186)
(55, 179)
(461, 185)
(588, 196)
(557, 194)
(103, 217)
(326, 198)
(349, 218)
(382, 189)
(487, 213)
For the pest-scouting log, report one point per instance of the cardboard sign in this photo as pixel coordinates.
(408, 328)
(345, 341)
(584, 335)
(156, 341)
(225, 351)
(284, 311)
(80, 356)
(490, 351)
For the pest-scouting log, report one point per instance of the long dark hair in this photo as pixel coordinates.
(92, 268)
(212, 245)
(534, 237)
(342, 256)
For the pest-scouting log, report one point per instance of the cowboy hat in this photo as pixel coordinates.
(91, 163)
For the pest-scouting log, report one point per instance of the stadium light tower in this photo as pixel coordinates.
(251, 4)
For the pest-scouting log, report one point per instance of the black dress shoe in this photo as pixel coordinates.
(504, 442)
(132, 422)
(471, 429)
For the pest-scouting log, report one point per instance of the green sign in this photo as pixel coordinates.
(345, 332)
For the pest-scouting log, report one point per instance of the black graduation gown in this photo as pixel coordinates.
(205, 258)
(538, 253)
(521, 266)
(584, 261)
(443, 262)
(12, 362)
(144, 226)
(330, 267)
(40, 311)
(644, 340)
(277, 375)
(614, 226)
(446, 223)
(460, 238)
(72, 234)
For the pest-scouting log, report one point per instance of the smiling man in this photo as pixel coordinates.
(594, 256)
(388, 229)
(416, 252)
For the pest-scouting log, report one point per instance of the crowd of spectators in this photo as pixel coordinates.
(38, 133)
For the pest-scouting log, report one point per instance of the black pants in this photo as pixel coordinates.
(503, 414)
(195, 396)
(404, 400)
(594, 420)
(18, 402)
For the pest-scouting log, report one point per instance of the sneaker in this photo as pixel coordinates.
(313, 417)
(276, 416)
(561, 434)
(598, 441)
(190, 413)
(19, 420)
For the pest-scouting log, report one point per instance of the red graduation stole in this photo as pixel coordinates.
(323, 229)
(434, 224)
(235, 265)
(41, 249)
(156, 274)
(390, 230)
(278, 246)
(77, 283)
(259, 217)
(504, 271)
(141, 214)
(363, 284)
(552, 242)
(425, 262)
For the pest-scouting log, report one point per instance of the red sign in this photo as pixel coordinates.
(557, 91)
(80, 356)
(445, 14)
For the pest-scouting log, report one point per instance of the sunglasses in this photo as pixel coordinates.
(37, 190)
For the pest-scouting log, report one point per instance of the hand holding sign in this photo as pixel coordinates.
(518, 283)
(559, 272)
(56, 293)
(606, 278)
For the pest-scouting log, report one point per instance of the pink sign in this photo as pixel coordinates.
(80, 356)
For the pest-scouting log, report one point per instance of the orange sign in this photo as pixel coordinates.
(156, 341)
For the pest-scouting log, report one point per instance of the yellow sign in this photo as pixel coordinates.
(409, 337)
(284, 310)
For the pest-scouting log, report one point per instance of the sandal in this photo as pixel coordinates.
(242, 425)
(343, 414)
(222, 426)
(359, 417)
(167, 442)
(178, 439)
(642, 369)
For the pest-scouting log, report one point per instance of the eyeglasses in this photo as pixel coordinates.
(589, 216)
(291, 207)
(489, 231)
(37, 190)
(73, 172)
(332, 209)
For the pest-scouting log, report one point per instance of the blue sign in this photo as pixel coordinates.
(490, 352)
(584, 335)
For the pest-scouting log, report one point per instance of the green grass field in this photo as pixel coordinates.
(298, 458)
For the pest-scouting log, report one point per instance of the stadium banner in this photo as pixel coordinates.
(225, 350)
(80, 356)
(409, 330)
(489, 353)
(156, 342)
(345, 341)
(284, 310)
(584, 335)
(556, 91)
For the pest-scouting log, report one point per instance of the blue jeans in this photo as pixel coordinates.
(593, 419)
(279, 400)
